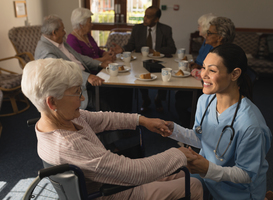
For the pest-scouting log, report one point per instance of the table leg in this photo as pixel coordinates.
(193, 107)
(97, 93)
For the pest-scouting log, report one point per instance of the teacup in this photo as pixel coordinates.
(126, 56)
(145, 51)
(183, 65)
(181, 53)
(112, 69)
(166, 74)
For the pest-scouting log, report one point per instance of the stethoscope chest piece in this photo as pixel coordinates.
(198, 129)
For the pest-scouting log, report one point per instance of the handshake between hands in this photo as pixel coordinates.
(196, 163)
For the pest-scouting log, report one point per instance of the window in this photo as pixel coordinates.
(109, 14)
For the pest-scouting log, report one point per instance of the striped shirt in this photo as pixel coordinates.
(83, 149)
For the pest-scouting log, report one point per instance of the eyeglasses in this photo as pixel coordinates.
(210, 33)
(75, 95)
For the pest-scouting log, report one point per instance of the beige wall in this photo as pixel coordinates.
(244, 13)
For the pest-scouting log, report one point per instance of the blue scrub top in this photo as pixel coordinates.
(247, 151)
(203, 52)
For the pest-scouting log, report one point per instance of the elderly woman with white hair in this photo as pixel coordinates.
(67, 134)
(81, 40)
(203, 26)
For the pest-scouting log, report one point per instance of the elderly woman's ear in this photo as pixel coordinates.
(51, 103)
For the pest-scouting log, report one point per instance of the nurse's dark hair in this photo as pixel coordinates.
(234, 57)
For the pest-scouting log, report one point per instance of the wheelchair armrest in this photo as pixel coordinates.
(32, 122)
(108, 189)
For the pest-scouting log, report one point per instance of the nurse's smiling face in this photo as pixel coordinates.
(215, 76)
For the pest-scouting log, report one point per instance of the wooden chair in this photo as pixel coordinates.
(196, 42)
(1, 99)
(24, 40)
(10, 85)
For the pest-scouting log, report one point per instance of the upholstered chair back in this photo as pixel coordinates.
(120, 37)
(25, 39)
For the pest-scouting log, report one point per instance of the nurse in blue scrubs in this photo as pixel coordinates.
(229, 129)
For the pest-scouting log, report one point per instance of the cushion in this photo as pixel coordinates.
(9, 81)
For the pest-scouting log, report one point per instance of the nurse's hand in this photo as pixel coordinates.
(190, 156)
(199, 165)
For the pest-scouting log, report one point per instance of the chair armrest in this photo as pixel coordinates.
(31, 57)
(21, 61)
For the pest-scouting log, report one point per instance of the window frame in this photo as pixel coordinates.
(123, 9)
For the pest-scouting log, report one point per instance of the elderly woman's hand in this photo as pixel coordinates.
(190, 156)
(110, 56)
(199, 165)
(117, 49)
(95, 80)
(155, 125)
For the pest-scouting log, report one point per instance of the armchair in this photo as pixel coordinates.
(24, 40)
(10, 84)
(119, 36)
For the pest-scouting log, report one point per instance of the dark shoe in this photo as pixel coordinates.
(145, 105)
(158, 106)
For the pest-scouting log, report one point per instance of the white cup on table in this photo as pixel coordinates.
(181, 53)
(145, 51)
(126, 56)
(183, 65)
(112, 69)
(166, 74)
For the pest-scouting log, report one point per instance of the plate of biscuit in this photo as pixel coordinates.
(156, 54)
(180, 74)
(122, 69)
(146, 77)
(178, 60)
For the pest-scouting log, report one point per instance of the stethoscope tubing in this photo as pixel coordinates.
(199, 128)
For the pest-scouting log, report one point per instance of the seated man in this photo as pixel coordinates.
(52, 45)
(159, 38)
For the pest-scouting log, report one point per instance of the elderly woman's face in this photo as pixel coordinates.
(215, 75)
(68, 106)
(87, 27)
(212, 37)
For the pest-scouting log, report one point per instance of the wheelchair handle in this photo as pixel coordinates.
(53, 170)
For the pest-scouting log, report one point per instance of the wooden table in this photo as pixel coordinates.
(128, 79)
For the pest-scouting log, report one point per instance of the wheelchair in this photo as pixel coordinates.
(67, 182)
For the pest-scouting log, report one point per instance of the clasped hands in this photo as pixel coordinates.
(196, 163)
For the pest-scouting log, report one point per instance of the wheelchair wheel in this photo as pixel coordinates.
(40, 189)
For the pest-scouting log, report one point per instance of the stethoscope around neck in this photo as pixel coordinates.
(198, 129)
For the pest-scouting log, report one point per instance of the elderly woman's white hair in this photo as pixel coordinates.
(79, 17)
(204, 22)
(225, 28)
(49, 77)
